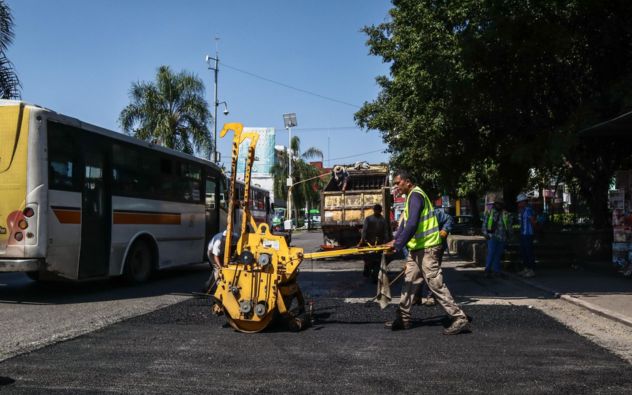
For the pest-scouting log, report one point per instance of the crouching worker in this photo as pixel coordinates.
(421, 236)
(215, 253)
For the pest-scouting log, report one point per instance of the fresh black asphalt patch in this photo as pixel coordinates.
(185, 349)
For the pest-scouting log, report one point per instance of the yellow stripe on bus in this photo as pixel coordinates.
(138, 218)
(67, 216)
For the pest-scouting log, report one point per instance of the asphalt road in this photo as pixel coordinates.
(32, 314)
(185, 349)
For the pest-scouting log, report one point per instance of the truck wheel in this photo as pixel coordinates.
(138, 264)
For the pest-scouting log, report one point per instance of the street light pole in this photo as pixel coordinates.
(289, 120)
(290, 181)
(214, 157)
(215, 104)
(213, 153)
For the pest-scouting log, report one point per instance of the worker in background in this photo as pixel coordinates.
(446, 221)
(375, 230)
(403, 253)
(341, 177)
(215, 253)
(526, 218)
(362, 165)
(421, 236)
(496, 229)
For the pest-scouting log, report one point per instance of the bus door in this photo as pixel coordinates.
(96, 211)
(211, 205)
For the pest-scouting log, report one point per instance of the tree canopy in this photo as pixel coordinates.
(170, 111)
(9, 83)
(481, 92)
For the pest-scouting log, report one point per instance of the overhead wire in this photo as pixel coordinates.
(313, 94)
(354, 155)
(289, 86)
(360, 154)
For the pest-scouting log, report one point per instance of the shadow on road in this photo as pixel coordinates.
(18, 289)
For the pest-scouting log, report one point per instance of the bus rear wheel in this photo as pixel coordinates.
(139, 263)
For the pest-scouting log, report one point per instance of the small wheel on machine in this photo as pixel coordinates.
(139, 263)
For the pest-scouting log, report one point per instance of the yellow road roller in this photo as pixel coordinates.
(257, 282)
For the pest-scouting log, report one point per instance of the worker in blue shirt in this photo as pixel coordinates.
(527, 220)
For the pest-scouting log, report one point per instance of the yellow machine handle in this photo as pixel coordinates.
(346, 251)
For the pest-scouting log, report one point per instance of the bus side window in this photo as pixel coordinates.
(167, 178)
(223, 194)
(190, 175)
(63, 149)
(126, 174)
(210, 193)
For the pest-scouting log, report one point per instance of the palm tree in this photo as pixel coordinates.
(170, 111)
(303, 194)
(9, 83)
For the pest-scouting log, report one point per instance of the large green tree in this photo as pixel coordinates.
(170, 111)
(9, 83)
(482, 91)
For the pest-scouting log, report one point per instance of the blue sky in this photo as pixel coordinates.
(79, 57)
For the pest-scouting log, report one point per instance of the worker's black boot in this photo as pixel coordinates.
(399, 323)
(374, 274)
(459, 325)
(366, 271)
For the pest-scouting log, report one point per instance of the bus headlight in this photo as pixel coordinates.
(22, 224)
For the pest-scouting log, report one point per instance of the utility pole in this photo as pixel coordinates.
(213, 156)
(289, 121)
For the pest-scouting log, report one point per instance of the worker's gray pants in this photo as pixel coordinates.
(215, 269)
(424, 265)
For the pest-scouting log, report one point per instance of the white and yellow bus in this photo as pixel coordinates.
(81, 202)
(260, 205)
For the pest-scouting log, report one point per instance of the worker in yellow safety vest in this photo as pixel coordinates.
(420, 235)
(496, 229)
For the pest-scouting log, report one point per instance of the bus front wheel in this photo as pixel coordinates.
(138, 265)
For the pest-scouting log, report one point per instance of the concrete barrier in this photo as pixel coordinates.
(470, 248)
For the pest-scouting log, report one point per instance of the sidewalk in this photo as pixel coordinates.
(595, 287)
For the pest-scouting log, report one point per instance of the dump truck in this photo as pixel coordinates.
(343, 212)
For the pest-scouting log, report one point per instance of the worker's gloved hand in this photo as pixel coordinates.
(443, 234)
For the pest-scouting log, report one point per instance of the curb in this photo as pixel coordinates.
(602, 311)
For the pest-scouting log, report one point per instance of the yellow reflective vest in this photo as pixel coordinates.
(427, 232)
